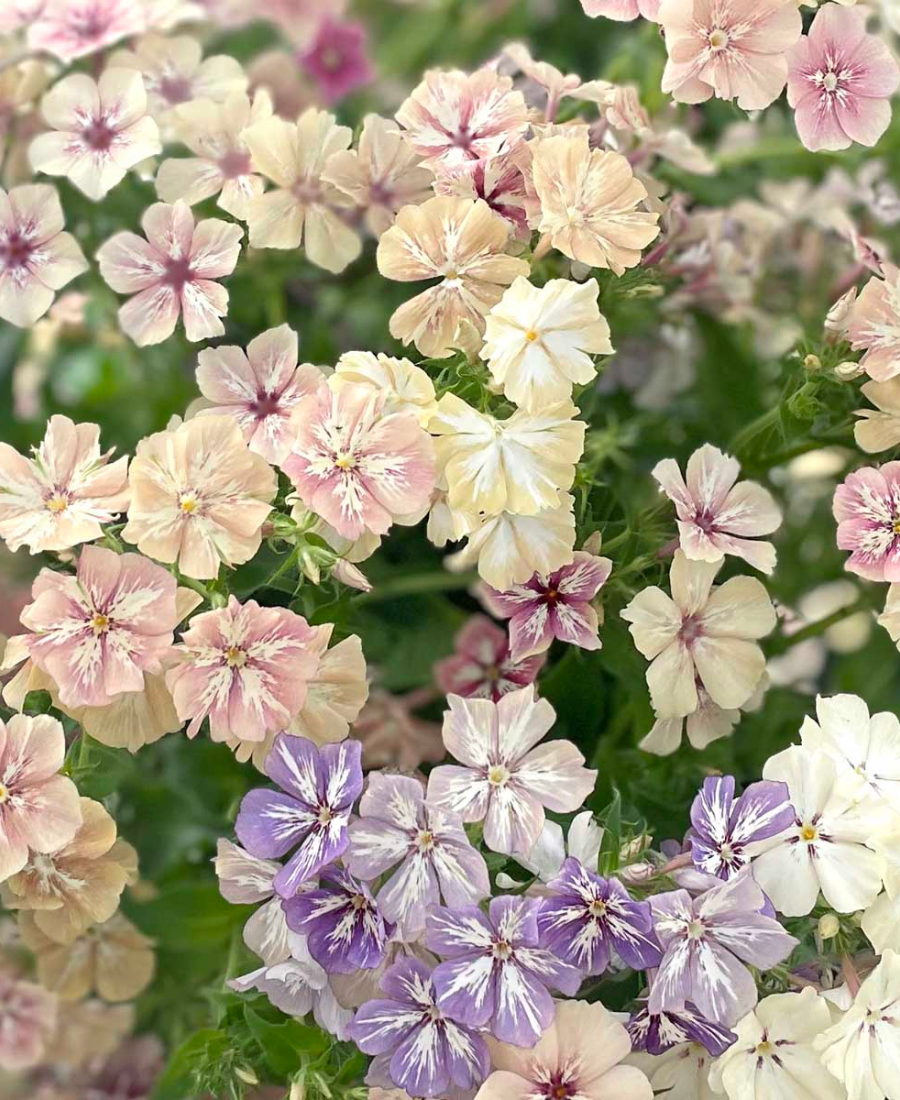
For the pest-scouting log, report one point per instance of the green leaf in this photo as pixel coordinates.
(178, 1080)
(284, 1045)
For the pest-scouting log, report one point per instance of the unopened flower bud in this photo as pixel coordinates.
(638, 872)
(812, 363)
(347, 573)
(829, 926)
(837, 317)
(245, 1074)
(848, 370)
(593, 543)
(298, 1091)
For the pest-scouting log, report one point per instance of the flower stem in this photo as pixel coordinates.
(780, 645)
(419, 584)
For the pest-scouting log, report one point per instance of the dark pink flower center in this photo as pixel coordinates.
(705, 520)
(178, 272)
(560, 1086)
(175, 89)
(235, 164)
(15, 251)
(266, 404)
(691, 630)
(98, 135)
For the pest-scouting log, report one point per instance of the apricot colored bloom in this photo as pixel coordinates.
(520, 465)
(64, 494)
(244, 667)
(879, 430)
(460, 242)
(452, 118)
(39, 809)
(538, 341)
(171, 273)
(505, 778)
(259, 388)
(589, 200)
(383, 173)
(77, 885)
(734, 49)
(404, 385)
(36, 257)
(303, 209)
(840, 81)
(701, 632)
(175, 72)
(336, 58)
(222, 164)
(27, 1019)
(623, 11)
(874, 325)
(199, 496)
(867, 508)
(98, 632)
(716, 516)
(70, 29)
(357, 467)
(481, 666)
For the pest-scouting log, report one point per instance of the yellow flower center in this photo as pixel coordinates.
(718, 39)
(502, 950)
(597, 908)
(100, 623)
(57, 503)
(765, 1047)
(345, 461)
(325, 815)
(358, 901)
(451, 275)
(235, 657)
(809, 833)
(896, 526)
(531, 335)
(4, 793)
(188, 505)
(497, 775)
(425, 841)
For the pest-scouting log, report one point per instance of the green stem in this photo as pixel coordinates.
(781, 645)
(418, 585)
(289, 560)
(197, 586)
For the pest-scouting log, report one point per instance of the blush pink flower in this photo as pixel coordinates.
(867, 508)
(623, 11)
(77, 28)
(36, 257)
(259, 388)
(840, 81)
(874, 325)
(27, 1020)
(716, 516)
(481, 667)
(64, 494)
(171, 273)
(96, 633)
(39, 809)
(733, 49)
(245, 667)
(355, 466)
(336, 58)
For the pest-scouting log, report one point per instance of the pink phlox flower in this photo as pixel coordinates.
(481, 666)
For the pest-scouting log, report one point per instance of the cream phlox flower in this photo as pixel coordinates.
(403, 385)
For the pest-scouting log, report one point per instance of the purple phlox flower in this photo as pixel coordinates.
(586, 917)
(345, 930)
(312, 809)
(707, 941)
(337, 58)
(658, 1032)
(728, 832)
(436, 860)
(497, 971)
(426, 1052)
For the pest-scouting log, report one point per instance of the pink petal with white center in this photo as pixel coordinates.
(215, 247)
(128, 263)
(576, 624)
(555, 774)
(459, 790)
(522, 720)
(514, 820)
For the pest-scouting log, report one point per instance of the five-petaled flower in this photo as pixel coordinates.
(867, 508)
(481, 666)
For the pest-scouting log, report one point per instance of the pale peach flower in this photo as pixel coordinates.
(873, 325)
(303, 208)
(383, 173)
(87, 1030)
(199, 496)
(259, 388)
(538, 341)
(78, 885)
(462, 243)
(172, 273)
(64, 494)
(879, 430)
(222, 164)
(404, 385)
(454, 117)
(70, 29)
(36, 257)
(589, 200)
(98, 130)
(175, 72)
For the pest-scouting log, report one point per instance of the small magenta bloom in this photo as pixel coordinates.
(840, 81)
(337, 58)
(309, 813)
(482, 667)
(867, 508)
(728, 831)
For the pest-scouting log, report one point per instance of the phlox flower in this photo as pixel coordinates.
(381, 175)
(244, 667)
(36, 257)
(826, 849)
(556, 605)
(680, 1073)
(199, 496)
(481, 666)
(867, 509)
(734, 49)
(357, 467)
(520, 464)
(427, 1054)
(260, 388)
(659, 1032)
(707, 723)
(506, 778)
(221, 164)
(39, 809)
(70, 29)
(393, 735)
(452, 118)
(171, 273)
(98, 632)
(248, 880)
(27, 1019)
(553, 847)
(840, 81)
(716, 516)
(874, 325)
(708, 943)
(98, 130)
(623, 11)
(878, 429)
(538, 341)
(589, 199)
(462, 243)
(497, 972)
(336, 58)
(773, 1054)
(727, 832)
(303, 208)
(64, 494)
(310, 812)
(427, 847)
(404, 385)
(501, 182)
(701, 632)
